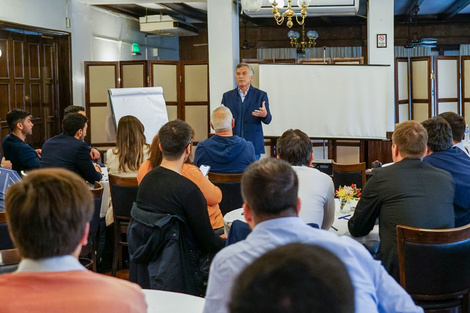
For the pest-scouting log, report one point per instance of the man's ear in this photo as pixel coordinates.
(311, 160)
(233, 122)
(212, 126)
(298, 205)
(79, 133)
(160, 146)
(19, 126)
(84, 239)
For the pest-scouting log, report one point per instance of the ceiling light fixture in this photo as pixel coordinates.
(279, 4)
(303, 44)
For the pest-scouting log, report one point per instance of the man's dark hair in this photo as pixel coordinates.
(269, 186)
(457, 123)
(295, 147)
(296, 278)
(72, 122)
(73, 109)
(439, 134)
(47, 212)
(174, 137)
(16, 116)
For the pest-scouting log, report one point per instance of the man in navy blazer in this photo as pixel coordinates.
(249, 107)
(68, 150)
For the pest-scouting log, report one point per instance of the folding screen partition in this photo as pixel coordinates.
(447, 84)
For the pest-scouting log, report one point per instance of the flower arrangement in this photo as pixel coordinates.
(347, 193)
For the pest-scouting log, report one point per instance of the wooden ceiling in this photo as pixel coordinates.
(430, 12)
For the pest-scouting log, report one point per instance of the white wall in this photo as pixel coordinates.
(97, 35)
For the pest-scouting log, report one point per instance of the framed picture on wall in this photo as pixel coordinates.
(381, 40)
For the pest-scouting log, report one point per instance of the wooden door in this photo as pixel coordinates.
(28, 81)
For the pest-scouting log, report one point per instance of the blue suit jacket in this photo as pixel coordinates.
(21, 155)
(247, 125)
(68, 152)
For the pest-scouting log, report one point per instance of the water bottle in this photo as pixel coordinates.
(467, 132)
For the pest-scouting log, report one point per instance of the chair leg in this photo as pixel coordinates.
(116, 248)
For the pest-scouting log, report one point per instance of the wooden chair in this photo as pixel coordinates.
(9, 260)
(123, 195)
(88, 253)
(435, 267)
(347, 174)
(230, 186)
(5, 240)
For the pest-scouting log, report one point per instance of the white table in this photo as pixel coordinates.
(159, 301)
(340, 225)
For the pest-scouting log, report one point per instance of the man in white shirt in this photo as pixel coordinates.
(316, 190)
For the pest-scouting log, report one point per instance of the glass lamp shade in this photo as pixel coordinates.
(291, 34)
(252, 5)
(312, 34)
(280, 4)
(297, 35)
(306, 2)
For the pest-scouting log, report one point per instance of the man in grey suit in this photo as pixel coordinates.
(409, 192)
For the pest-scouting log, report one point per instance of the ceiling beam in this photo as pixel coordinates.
(409, 9)
(455, 8)
(187, 11)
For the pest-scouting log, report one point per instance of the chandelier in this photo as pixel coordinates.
(279, 4)
(303, 43)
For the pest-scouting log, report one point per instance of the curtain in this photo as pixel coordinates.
(464, 49)
(401, 51)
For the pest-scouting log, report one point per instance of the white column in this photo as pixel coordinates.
(380, 20)
(224, 51)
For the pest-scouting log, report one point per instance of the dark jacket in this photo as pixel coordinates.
(163, 255)
(225, 154)
(21, 155)
(68, 152)
(246, 125)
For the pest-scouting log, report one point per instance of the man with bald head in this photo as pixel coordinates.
(224, 152)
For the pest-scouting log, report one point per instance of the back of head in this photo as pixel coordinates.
(296, 278)
(269, 186)
(439, 134)
(174, 137)
(411, 138)
(16, 116)
(457, 123)
(72, 123)
(47, 212)
(130, 142)
(221, 119)
(73, 109)
(295, 147)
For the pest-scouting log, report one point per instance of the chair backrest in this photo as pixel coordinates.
(434, 262)
(5, 240)
(230, 186)
(97, 197)
(347, 174)
(123, 194)
(9, 260)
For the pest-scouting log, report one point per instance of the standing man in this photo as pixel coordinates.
(16, 150)
(249, 107)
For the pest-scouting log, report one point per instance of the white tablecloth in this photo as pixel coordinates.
(159, 301)
(340, 225)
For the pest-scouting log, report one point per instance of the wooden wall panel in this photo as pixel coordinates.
(4, 60)
(18, 59)
(35, 99)
(34, 61)
(48, 62)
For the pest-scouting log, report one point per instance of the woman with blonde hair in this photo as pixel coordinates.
(211, 193)
(131, 149)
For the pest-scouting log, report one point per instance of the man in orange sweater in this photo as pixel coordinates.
(49, 215)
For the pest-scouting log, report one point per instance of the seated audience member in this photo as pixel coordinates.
(409, 192)
(443, 155)
(170, 229)
(224, 152)
(7, 178)
(22, 156)
(94, 154)
(131, 149)
(68, 150)
(457, 123)
(316, 190)
(49, 216)
(317, 282)
(212, 193)
(269, 189)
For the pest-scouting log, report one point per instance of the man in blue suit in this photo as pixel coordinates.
(249, 107)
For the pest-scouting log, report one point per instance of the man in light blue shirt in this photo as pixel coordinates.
(269, 189)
